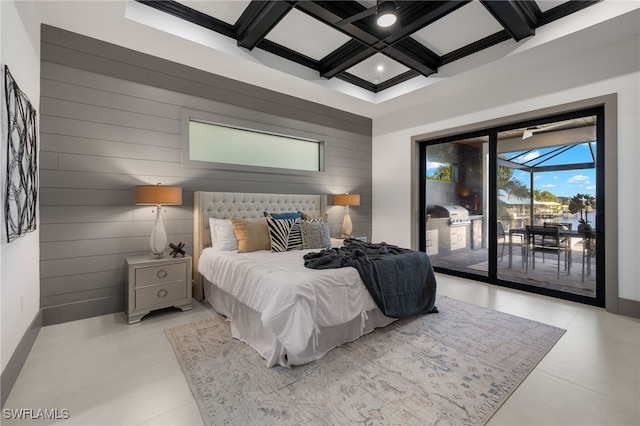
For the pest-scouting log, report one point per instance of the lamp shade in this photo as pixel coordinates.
(159, 194)
(346, 199)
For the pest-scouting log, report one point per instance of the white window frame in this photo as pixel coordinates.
(251, 127)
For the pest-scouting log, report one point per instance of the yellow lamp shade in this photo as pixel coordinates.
(346, 199)
(159, 194)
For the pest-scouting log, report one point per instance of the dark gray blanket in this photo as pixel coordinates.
(401, 281)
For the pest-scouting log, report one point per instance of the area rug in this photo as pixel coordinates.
(456, 367)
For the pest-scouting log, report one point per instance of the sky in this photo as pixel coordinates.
(564, 183)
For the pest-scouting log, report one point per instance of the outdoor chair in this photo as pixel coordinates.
(540, 240)
(566, 240)
(503, 240)
(588, 252)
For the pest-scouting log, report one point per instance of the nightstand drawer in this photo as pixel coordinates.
(161, 293)
(160, 274)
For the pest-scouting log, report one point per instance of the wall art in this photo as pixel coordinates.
(21, 183)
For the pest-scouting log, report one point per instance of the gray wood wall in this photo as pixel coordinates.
(110, 119)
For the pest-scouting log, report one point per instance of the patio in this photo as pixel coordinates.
(543, 276)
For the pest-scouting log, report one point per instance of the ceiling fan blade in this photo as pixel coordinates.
(358, 16)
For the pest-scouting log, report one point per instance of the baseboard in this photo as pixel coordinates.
(85, 309)
(628, 307)
(19, 357)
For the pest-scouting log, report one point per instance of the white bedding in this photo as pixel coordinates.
(293, 301)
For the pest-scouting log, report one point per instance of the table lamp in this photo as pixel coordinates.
(346, 200)
(158, 195)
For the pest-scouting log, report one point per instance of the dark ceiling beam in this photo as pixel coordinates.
(396, 43)
(258, 19)
(191, 15)
(396, 80)
(563, 10)
(286, 53)
(375, 88)
(518, 18)
(331, 12)
(357, 81)
(414, 55)
(343, 58)
(414, 16)
(475, 47)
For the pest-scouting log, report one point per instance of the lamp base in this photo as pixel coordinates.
(347, 226)
(158, 237)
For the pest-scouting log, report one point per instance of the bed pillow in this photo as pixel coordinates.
(315, 235)
(307, 216)
(284, 215)
(285, 234)
(223, 237)
(252, 234)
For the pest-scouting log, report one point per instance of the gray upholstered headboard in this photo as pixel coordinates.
(226, 205)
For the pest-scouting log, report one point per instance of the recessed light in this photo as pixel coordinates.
(380, 68)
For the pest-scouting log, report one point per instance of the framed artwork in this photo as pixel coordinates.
(21, 183)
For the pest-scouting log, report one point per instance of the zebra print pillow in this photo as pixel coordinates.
(285, 234)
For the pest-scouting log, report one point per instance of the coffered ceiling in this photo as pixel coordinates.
(327, 38)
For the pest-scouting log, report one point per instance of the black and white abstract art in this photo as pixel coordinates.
(21, 179)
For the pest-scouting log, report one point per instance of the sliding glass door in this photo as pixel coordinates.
(455, 190)
(517, 206)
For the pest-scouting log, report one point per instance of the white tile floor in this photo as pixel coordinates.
(106, 372)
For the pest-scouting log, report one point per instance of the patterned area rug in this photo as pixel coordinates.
(454, 367)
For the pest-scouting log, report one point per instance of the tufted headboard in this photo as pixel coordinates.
(227, 205)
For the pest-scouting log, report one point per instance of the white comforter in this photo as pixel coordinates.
(292, 300)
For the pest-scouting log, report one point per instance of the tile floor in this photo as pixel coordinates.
(106, 372)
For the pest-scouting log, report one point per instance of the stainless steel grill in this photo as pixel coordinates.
(457, 215)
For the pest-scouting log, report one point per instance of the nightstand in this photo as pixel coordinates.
(156, 284)
(339, 241)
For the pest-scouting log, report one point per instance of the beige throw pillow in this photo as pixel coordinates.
(252, 234)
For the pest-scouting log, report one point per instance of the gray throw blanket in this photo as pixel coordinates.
(401, 281)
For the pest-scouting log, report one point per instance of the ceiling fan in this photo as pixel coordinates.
(530, 131)
(385, 11)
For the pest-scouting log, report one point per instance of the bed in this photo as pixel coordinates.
(289, 314)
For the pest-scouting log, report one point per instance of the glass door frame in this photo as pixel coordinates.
(492, 133)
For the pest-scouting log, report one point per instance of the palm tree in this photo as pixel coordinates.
(442, 173)
(508, 183)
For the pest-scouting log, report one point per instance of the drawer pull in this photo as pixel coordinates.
(162, 273)
(162, 293)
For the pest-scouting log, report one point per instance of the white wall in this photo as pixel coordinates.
(555, 75)
(19, 260)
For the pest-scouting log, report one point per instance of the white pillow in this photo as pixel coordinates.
(223, 237)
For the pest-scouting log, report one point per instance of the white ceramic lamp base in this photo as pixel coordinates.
(347, 226)
(158, 238)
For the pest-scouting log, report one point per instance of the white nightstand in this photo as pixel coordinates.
(157, 283)
(339, 241)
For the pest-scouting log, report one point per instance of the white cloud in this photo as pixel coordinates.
(526, 157)
(579, 179)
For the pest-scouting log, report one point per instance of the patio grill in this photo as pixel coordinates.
(457, 215)
(448, 229)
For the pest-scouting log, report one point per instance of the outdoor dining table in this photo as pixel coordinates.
(585, 235)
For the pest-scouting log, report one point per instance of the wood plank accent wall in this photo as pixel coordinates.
(110, 119)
